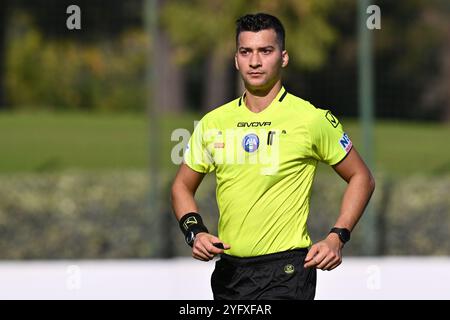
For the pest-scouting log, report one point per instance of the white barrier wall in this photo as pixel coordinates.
(186, 278)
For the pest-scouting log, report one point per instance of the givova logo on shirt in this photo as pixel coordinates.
(345, 142)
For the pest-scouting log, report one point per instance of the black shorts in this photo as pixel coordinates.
(273, 276)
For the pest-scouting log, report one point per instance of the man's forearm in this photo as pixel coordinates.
(183, 201)
(356, 196)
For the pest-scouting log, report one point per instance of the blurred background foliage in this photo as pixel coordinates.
(75, 127)
(103, 66)
(66, 75)
(82, 215)
(75, 215)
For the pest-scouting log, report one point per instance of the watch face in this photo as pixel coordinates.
(344, 235)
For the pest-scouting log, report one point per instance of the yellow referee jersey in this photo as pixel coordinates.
(265, 164)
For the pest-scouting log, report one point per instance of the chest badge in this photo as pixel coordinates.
(250, 143)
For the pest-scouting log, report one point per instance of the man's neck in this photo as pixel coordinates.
(258, 100)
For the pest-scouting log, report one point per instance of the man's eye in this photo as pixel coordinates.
(244, 52)
(267, 51)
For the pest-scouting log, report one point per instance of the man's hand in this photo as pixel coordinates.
(326, 254)
(204, 249)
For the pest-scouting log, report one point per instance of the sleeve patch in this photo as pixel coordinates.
(345, 142)
(332, 119)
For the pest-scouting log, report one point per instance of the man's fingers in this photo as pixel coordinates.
(312, 263)
(335, 265)
(216, 243)
(219, 243)
(207, 252)
(207, 246)
(199, 255)
(329, 265)
(212, 248)
(312, 252)
(226, 246)
(314, 257)
(202, 249)
(217, 247)
(325, 261)
(319, 258)
(222, 245)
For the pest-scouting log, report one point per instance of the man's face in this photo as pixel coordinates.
(259, 58)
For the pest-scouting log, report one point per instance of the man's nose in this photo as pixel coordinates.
(255, 61)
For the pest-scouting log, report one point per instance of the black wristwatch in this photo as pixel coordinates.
(343, 233)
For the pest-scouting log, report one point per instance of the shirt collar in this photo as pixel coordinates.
(280, 96)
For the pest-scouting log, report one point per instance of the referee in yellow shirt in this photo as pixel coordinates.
(264, 147)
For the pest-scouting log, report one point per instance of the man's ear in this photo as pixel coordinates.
(236, 62)
(284, 58)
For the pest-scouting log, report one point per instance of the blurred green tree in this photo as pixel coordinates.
(99, 20)
(3, 15)
(64, 74)
(412, 55)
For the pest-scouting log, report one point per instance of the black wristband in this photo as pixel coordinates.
(191, 224)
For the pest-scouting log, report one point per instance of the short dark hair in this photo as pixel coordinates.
(260, 21)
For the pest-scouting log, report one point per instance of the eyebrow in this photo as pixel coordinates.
(260, 48)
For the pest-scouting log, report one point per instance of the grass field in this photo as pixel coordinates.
(54, 142)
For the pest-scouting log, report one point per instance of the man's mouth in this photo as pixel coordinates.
(255, 73)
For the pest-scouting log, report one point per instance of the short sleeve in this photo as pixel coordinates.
(329, 143)
(196, 154)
